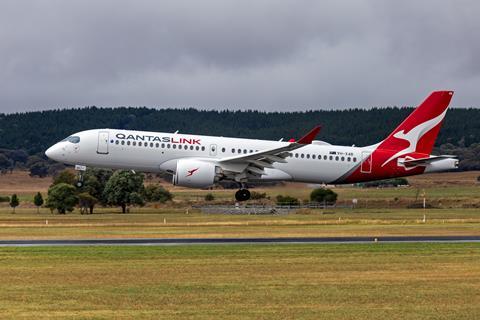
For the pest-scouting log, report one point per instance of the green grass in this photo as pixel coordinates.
(149, 222)
(369, 281)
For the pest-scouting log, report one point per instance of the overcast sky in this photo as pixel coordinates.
(267, 55)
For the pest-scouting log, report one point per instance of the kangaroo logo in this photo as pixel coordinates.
(414, 135)
(191, 172)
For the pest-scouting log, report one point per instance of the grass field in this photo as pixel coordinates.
(175, 223)
(368, 281)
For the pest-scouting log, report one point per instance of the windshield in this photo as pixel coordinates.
(72, 139)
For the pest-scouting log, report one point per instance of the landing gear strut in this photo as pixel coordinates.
(81, 170)
(242, 195)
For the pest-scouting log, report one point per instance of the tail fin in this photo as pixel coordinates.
(418, 132)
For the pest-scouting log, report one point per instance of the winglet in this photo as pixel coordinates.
(308, 138)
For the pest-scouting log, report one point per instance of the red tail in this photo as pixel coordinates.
(412, 139)
(418, 132)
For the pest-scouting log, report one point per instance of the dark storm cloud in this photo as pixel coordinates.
(271, 55)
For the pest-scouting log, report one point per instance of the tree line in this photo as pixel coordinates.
(25, 136)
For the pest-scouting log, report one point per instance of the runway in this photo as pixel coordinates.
(199, 241)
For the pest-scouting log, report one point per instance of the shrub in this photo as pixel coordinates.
(157, 193)
(287, 201)
(4, 199)
(323, 195)
(209, 197)
(257, 195)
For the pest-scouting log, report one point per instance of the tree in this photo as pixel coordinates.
(157, 193)
(209, 197)
(38, 167)
(323, 195)
(62, 197)
(14, 202)
(65, 176)
(38, 201)
(87, 202)
(5, 163)
(124, 188)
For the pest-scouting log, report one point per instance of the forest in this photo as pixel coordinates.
(28, 134)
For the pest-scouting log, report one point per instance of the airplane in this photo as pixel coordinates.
(197, 161)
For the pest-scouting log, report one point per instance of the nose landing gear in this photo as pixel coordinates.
(81, 170)
(242, 195)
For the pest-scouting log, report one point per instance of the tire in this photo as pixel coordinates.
(242, 195)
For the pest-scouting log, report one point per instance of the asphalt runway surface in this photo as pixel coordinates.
(198, 241)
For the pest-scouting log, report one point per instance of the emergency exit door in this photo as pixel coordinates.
(102, 146)
(366, 166)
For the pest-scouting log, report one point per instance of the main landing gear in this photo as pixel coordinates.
(242, 195)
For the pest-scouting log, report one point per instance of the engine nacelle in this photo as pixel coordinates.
(195, 173)
(442, 165)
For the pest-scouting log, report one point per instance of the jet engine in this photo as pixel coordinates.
(196, 173)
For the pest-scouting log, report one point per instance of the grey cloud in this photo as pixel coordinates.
(270, 55)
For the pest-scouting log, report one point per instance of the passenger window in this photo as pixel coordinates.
(134, 143)
(223, 149)
(343, 158)
(302, 155)
(244, 150)
(117, 142)
(313, 156)
(233, 150)
(251, 151)
(336, 158)
(163, 145)
(330, 158)
(296, 155)
(139, 143)
(128, 143)
(239, 150)
(354, 159)
(151, 144)
(157, 145)
(123, 142)
(324, 157)
(308, 156)
(348, 159)
(203, 148)
(174, 146)
(168, 146)
(191, 147)
(197, 148)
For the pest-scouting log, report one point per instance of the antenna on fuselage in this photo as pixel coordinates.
(175, 132)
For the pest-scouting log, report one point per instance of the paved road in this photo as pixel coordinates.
(185, 241)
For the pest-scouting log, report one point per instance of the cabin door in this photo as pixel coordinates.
(102, 147)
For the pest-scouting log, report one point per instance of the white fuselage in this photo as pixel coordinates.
(318, 162)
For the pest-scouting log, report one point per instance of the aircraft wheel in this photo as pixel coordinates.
(242, 195)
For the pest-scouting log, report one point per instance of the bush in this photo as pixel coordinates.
(157, 193)
(209, 197)
(478, 178)
(323, 195)
(257, 195)
(385, 183)
(4, 199)
(287, 201)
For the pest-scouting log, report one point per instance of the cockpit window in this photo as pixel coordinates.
(72, 139)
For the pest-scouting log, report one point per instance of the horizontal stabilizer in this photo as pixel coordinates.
(426, 161)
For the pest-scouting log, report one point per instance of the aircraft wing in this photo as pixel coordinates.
(426, 161)
(258, 161)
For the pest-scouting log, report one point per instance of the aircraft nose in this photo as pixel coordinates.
(54, 152)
